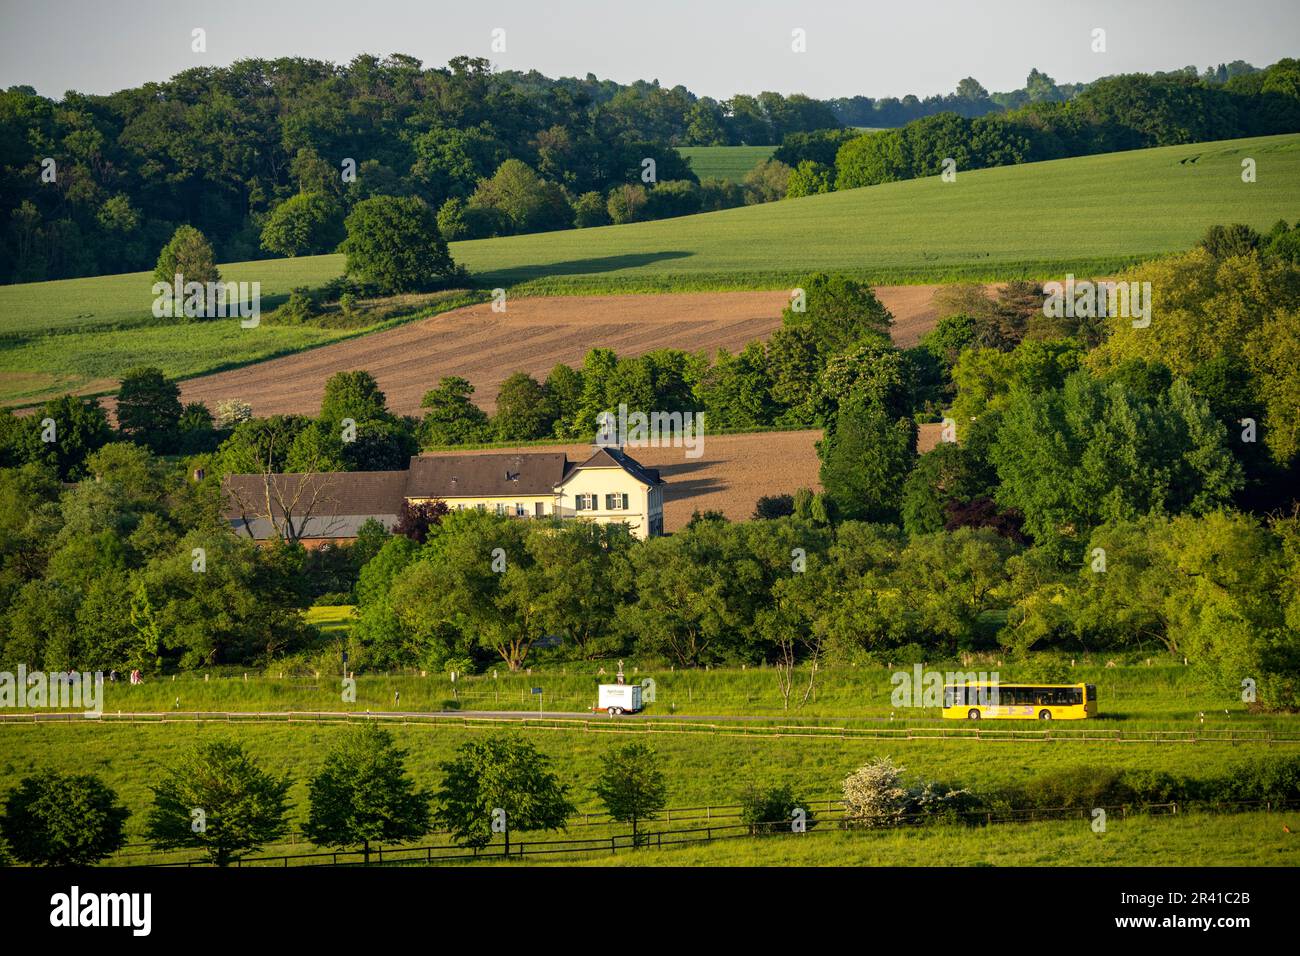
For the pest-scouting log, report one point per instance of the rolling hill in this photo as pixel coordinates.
(1084, 215)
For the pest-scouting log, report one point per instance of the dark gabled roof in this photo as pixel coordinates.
(338, 493)
(485, 476)
(608, 457)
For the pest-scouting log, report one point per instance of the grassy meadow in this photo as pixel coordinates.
(1162, 695)
(1085, 215)
(725, 162)
(1196, 839)
(131, 757)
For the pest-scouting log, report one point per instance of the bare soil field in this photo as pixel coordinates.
(532, 336)
(732, 474)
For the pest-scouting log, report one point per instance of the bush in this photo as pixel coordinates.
(1235, 240)
(771, 809)
(774, 506)
(1155, 786)
(767, 182)
(940, 803)
(189, 255)
(810, 179)
(674, 197)
(874, 795)
(1261, 778)
(627, 203)
(1073, 787)
(231, 412)
(589, 210)
(453, 222)
(299, 308)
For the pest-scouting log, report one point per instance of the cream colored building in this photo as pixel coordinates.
(610, 486)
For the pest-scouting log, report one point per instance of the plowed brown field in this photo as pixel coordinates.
(532, 336)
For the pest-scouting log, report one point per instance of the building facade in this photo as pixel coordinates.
(609, 486)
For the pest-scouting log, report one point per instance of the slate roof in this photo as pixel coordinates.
(334, 493)
(609, 457)
(483, 476)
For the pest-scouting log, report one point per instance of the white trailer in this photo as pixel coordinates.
(619, 698)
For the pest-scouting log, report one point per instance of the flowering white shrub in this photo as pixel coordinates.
(874, 795)
(231, 412)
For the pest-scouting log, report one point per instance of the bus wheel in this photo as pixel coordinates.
(1045, 715)
(972, 714)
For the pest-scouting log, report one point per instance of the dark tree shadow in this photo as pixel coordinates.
(583, 266)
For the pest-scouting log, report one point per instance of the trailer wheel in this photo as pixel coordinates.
(973, 714)
(611, 711)
(1044, 715)
(618, 711)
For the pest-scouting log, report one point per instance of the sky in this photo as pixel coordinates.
(713, 47)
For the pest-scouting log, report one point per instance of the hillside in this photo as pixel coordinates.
(1091, 214)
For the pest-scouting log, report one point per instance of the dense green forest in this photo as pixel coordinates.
(268, 157)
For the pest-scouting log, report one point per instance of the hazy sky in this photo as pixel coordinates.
(714, 47)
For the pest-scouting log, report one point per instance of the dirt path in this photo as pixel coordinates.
(533, 336)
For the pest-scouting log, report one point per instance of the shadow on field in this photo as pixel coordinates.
(598, 264)
(681, 468)
(682, 490)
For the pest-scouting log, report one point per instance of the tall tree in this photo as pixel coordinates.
(501, 784)
(632, 786)
(56, 819)
(219, 800)
(393, 245)
(363, 794)
(149, 408)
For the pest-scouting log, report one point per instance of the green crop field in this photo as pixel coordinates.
(725, 162)
(1086, 215)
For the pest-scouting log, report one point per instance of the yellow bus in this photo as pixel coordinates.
(1020, 701)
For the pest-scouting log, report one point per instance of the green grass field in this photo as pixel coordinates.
(707, 762)
(725, 162)
(701, 771)
(1086, 215)
(1198, 839)
(1133, 698)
